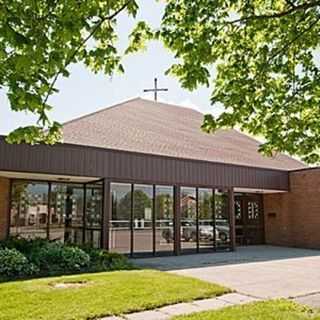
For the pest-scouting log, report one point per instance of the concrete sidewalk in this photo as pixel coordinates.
(261, 271)
(170, 311)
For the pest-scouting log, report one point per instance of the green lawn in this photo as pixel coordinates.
(269, 310)
(97, 295)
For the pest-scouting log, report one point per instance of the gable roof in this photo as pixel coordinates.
(140, 125)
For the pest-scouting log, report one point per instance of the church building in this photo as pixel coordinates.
(141, 178)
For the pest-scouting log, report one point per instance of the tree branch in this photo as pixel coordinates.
(300, 7)
(85, 40)
(288, 44)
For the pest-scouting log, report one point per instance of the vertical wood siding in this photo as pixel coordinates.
(77, 160)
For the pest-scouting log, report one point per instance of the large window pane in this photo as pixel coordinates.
(93, 216)
(164, 218)
(66, 213)
(29, 209)
(206, 221)
(188, 218)
(119, 232)
(142, 218)
(221, 202)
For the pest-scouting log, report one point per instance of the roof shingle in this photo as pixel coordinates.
(145, 126)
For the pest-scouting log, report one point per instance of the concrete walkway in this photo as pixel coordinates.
(168, 312)
(264, 272)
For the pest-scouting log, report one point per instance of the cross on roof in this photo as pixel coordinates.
(156, 89)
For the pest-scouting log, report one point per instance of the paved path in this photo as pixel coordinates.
(260, 271)
(168, 312)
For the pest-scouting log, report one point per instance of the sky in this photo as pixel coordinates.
(84, 92)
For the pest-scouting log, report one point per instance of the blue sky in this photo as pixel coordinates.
(84, 92)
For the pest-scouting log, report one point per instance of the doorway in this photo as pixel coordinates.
(249, 219)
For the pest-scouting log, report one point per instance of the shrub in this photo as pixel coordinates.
(101, 260)
(56, 257)
(25, 246)
(14, 264)
(25, 257)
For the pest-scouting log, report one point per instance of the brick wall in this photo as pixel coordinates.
(293, 218)
(4, 203)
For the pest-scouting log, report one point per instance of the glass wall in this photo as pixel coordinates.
(188, 203)
(222, 218)
(29, 209)
(142, 219)
(164, 219)
(206, 218)
(56, 211)
(120, 223)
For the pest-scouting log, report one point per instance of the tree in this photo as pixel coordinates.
(141, 201)
(40, 39)
(267, 75)
(259, 56)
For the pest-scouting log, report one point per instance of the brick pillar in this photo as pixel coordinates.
(4, 207)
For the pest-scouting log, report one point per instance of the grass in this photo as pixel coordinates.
(90, 296)
(269, 310)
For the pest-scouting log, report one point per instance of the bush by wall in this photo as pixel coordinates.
(23, 258)
(14, 264)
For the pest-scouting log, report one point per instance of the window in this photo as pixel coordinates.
(57, 211)
(143, 218)
(222, 218)
(93, 214)
(66, 213)
(29, 209)
(164, 219)
(120, 223)
(206, 218)
(188, 219)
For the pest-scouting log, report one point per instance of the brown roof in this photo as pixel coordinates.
(149, 127)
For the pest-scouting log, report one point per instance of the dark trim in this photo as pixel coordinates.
(131, 221)
(197, 219)
(232, 219)
(84, 221)
(154, 219)
(177, 220)
(213, 206)
(105, 214)
(9, 207)
(49, 209)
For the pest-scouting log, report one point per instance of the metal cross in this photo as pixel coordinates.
(156, 89)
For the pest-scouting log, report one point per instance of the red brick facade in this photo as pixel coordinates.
(293, 218)
(4, 207)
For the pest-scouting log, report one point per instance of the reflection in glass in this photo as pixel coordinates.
(119, 233)
(222, 218)
(29, 209)
(188, 220)
(142, 218)
(164, 219)
(93, 216)
(66, 212)
(206, 221)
